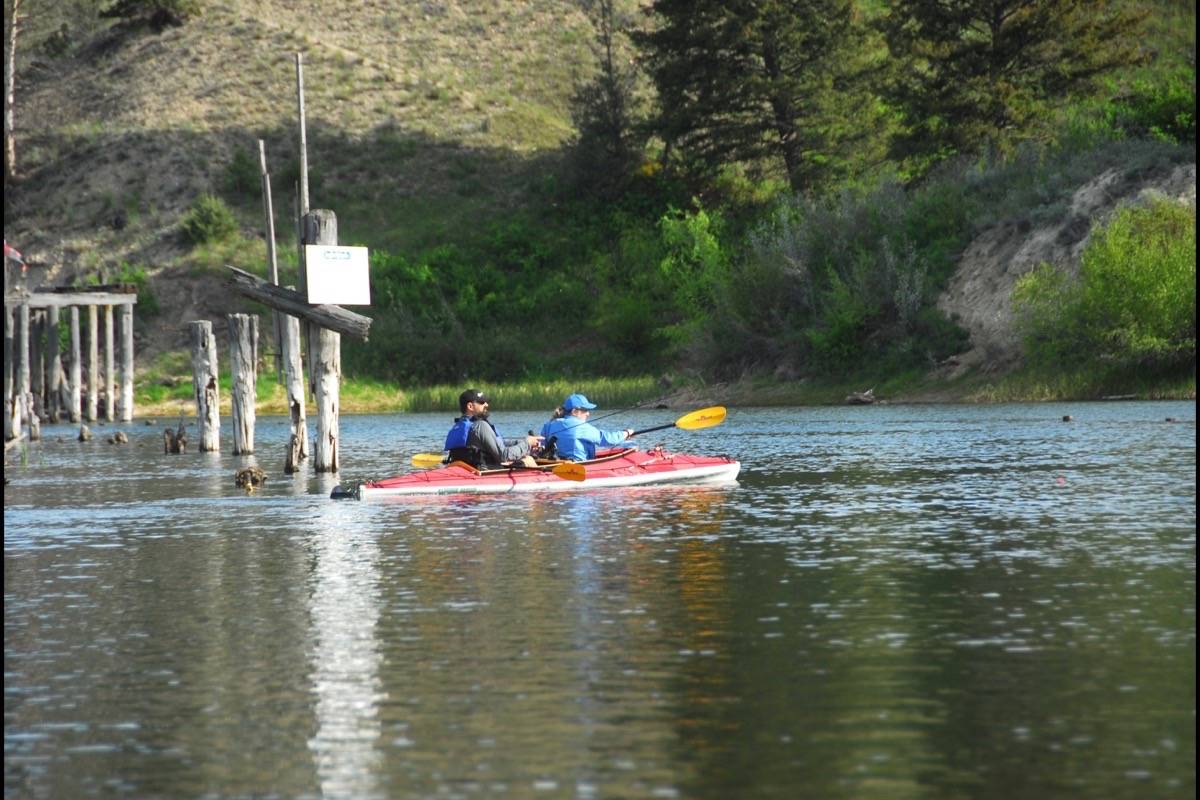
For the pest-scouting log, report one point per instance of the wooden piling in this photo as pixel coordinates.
(298, 443)
(125, 398)
(242, 366)
(327, 367)
(53, 365)
(204, 381)
(74, 381)
(37, 369)
(93, 364)
(23, 411)
(319, 226)
(9, 370)
(16, 419)
(110, 378)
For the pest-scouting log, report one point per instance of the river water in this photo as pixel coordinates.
(891, 602)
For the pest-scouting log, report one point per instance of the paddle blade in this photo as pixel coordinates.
(704, 418)
(427, 460)
(570, 471)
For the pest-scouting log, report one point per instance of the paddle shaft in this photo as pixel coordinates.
(655, 428)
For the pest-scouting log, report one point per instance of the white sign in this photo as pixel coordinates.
(337, 275)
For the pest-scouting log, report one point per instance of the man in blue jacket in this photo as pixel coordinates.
(575, 438)
(475, 440)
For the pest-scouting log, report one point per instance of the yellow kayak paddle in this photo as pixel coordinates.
(704, 418)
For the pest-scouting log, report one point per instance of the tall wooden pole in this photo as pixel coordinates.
(272, 261)
(325, 358)
(76, 378)
(241, 365)
(303, 135)
(204, 381)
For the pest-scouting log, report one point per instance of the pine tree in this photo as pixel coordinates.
(977, 74)
(605, 110)
(747, 80)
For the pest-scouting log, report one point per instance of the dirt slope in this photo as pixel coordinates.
(979, 294)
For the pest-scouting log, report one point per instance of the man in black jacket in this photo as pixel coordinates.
(475, 440)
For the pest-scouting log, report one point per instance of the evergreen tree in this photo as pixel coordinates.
(746, 80)
(604, 110)
(976, 74)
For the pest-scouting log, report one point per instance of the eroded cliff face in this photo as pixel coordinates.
(980, 292)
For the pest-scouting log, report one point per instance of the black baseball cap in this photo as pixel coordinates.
(471, 396)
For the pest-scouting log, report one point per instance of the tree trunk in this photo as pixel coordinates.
(10, 63)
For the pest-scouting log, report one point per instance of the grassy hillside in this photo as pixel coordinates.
(418, 114)
(436, 133)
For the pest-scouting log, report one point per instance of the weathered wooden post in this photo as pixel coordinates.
(53, 364)
(325, 356)
(125, 404)
(298, 444)
(241, 364)
(110, 378)
(24, 409)
(204, 380)
(93, 364)
(76, 378)
(16, 414)
(9, 368)
(37, 369)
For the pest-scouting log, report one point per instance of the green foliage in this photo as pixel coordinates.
(243, 177)
(1134, 302)
(774, 80)
(979, 74)
(1159, 109)
(695, 266)
(147, 305)
(606, 112)
(208, 220)
(824, 285)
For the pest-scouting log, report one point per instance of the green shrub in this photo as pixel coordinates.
(1134, 302)
(208, 220)
(243, 177)
(695, 266)
(1163, 108)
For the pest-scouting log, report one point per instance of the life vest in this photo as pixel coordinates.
(457, 437)
(456, 442)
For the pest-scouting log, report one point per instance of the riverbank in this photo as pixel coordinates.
(155, 399)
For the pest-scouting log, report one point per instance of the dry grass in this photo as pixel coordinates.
(150, 121)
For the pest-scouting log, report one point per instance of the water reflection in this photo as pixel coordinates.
(907, 602)
(345, 657)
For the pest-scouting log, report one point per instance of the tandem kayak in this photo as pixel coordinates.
(613, 468)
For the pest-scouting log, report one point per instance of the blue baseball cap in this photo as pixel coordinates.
(576, 401)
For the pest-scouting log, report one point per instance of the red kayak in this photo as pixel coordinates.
(618, 467)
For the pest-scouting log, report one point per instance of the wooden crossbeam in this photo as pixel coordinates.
(65, 299)
(330, 317)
